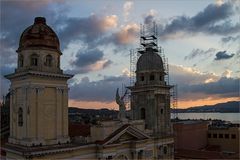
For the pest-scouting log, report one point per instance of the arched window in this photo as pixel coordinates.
(34, 60)
(143, 114)
(152, 77)
(20, 117)
(20, 60)
(49, 60)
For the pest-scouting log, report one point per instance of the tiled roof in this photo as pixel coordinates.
(197, 154)
(213, 148)
(78, 129)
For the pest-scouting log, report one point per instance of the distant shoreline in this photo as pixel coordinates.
(203, 112)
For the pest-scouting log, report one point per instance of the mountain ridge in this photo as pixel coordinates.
(226, 107)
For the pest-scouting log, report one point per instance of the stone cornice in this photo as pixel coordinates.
(37, 73)
(148, 87)
(44, 150)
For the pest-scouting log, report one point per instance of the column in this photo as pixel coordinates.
(58, 122)
(11, 112)
(65, 112)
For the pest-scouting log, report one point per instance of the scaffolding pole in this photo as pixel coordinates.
(174, 95)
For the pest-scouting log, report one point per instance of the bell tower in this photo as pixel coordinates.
(39, 90)
(150, 95)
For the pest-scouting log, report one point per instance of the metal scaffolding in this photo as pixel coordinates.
(148, 38)
(174, 104)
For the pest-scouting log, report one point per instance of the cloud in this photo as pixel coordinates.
(199, 52)
(88, 29)
(227, 73)
(214, 19)
(219, 2)
(109, 22)
(88, 60)
(88, 57)
(192, 85)
(5, 84)
(224, 87)
(102, 90)
(230, 39)
(150, 17)
(12, 27)
(127, 7)
(222, 55)
(188, 76)
(125, 36)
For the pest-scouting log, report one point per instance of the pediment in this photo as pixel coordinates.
(125, 133)
(125, 137)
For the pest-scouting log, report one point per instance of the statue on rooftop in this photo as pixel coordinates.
(121, 104)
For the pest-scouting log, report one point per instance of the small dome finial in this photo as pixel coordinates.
(39, 20)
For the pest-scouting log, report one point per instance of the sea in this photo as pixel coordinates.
(230, 117)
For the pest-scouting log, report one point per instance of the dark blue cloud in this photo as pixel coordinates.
(224, 87)
(4, 70)
(88, 57)
(230, 39)
(222, 55)
(213, 19)
(103, 90)
(17, 16)
(199, 52)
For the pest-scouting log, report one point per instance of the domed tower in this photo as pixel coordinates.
(150, 95)
(39, 90)
(39, 48)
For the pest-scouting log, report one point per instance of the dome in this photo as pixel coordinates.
(149, 61)
(39, 35)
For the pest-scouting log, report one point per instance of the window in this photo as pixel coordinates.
(165, 150)
(140, 154)
(209, 135)
(143, 113)
(49, 60)
(227, 136)
(20, 60)
(58, 62)
(214, 135)
(20, 117)
(161, 111)
(220, 136)
(34, 60)
(109, 157)
(233, 136)
(152, 77)
(161, 78)
(142, 78)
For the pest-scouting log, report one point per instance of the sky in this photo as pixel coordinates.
(201, 40)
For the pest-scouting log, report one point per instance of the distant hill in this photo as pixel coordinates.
(228, 107)
(103, 111)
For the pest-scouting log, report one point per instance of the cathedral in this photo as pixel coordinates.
(39, 126)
